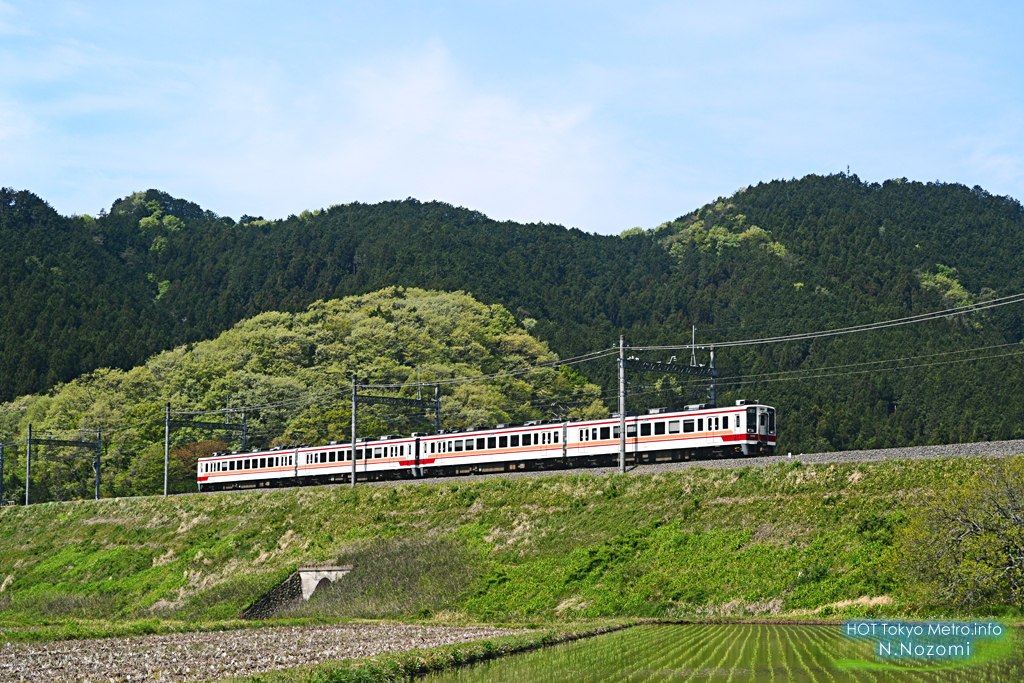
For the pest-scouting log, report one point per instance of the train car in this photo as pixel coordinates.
(698, 431)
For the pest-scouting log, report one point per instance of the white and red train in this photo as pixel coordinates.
(746, 429)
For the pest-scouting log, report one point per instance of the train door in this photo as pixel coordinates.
(583, 448)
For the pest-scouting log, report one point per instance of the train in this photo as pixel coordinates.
(661, 435)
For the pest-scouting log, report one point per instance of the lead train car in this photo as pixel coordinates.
(748, 428)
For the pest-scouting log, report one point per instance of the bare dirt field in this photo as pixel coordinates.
(206, 656)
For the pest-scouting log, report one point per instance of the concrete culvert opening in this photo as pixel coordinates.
(297, 589)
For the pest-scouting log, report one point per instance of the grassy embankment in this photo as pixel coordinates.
(785, 540)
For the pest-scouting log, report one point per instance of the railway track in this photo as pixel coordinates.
(964, 450)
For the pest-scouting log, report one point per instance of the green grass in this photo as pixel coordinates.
(787, 539)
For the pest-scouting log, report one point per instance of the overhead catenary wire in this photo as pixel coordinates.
(603, 353)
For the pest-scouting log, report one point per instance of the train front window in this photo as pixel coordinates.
(751, 420)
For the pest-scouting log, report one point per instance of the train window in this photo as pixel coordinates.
(502, 442)
(616, 432)
(514, 441)
(645, 429)
(659, 428)
(431, 446)
(556, 437)
(631, 429)
(458, 444)
(480, 444)
(492, 442)
(377, 452)
(289, 460)
(332, 456)
(764, 419)
(751, 419)
(263, 462)
(583, 435)
(700, 424)
(469, 444)
(771, 421)
(725, 422)
(247, 464)
(673, 427)
(605, 432)
(687, 426)
(231, 465)
(593, 434)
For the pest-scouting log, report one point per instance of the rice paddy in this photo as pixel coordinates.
(730, 653)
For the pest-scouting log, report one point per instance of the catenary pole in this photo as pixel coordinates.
(99, 450)
(28, 462)
(352, 479)
(622, 405)
(167, 447)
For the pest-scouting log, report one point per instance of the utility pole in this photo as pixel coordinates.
(167, 447)
(352, 480)
(28, 462)
(1, 474)
(622, 405)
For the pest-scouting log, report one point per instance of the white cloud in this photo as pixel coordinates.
(402, 126)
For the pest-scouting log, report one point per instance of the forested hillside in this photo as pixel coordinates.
(297, 368)
(779, 257)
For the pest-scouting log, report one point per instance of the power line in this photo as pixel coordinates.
(879, 362)
(874, 370)
(867, 327)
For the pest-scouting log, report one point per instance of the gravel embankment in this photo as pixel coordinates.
(962, 450)
(206, 656)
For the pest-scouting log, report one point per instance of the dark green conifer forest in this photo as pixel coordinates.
(154, 273)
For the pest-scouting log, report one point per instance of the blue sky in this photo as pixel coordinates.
(601, 116)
